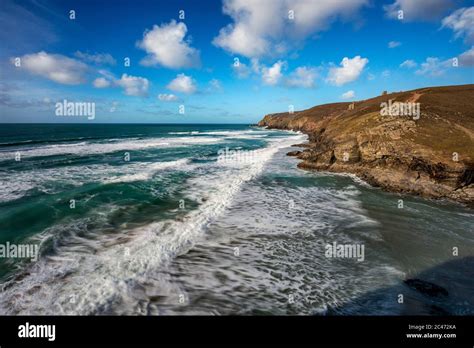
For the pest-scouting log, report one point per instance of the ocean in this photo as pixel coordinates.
(213, 219)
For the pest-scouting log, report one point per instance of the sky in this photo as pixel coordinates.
(222, 61)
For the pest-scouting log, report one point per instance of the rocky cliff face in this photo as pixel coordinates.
(429, 153)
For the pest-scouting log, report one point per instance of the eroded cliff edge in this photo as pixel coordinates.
(432, 156)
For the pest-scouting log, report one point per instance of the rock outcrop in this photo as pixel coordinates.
(430, 153)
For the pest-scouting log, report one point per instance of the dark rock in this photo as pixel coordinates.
(302, 145)
(293, 153)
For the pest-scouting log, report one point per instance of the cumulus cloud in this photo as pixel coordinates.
(303, 77)
(55, 67)
(101, 82)
(107, 80)
(349, 71)
(272, 75)
(98, 58)
(263, 27)
(434, 67)
(393, 44)
(133, 85)
(166, 46)
(467, 58)
(409, 63)
(182, 84)
(419, 9)
(168, 97)
(462, 23)
(348, 95)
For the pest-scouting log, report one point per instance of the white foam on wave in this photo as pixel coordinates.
(13, 188)
(93, 148)
(274, 236)
(184, 133)
(354, 178)
(100, 280)
(144, 171)
(229, 133)
(18, 185)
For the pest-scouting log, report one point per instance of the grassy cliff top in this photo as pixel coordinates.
(445, 125)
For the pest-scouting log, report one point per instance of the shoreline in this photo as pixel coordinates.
(365, 178)
(361, 181)
(391, 153)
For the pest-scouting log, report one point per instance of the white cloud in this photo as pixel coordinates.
(133, 85)
(462, 23)
(263, 27)
(349, 71)
(239, 39)
(168, 97)
(419, 9)
(107, 80)
(302, 76)
(393, 44)
(55, 67)
(98, 58)
(272, 75)
(166, 46)
(386, 73)
(409, 63)
(348, 95)
(101, 82)
(183, 84)
(467, 58)
(107, 74)
(434, 67)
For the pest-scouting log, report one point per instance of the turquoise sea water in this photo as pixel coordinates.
(162, 224)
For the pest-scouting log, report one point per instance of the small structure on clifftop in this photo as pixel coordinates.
(384, 93)
(351, 106)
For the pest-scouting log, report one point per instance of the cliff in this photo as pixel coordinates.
(430, 153)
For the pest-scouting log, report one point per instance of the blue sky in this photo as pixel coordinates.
(300, 52)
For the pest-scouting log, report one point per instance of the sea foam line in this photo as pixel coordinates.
(18, 185)
(88, 148)
(103, 279)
